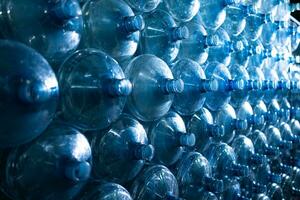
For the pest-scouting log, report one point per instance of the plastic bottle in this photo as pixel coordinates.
(94, 89)
(29, 94)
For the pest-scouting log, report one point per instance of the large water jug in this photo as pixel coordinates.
(143, 6)
(245, 113)
(115, 30)
(224, 84)
(223, 161)
(94, 89)
(260, 110)
(239, 72)
(274, 139)
(155, 183)
(245, 152)
(197, 44)
(182, 11)
(235, 20)
(213, 13)
(104, 191)
(205, 130)
(254, 25)
(264, 176)
(29, 94)
(194, 170)
(193, 96)
(227, 117)
(261, 145)
(52, 27)
(120, 153)
(242, 56)
(221, 52)
(169, 137)
(153, 88)
(54, 166)
(161, 36)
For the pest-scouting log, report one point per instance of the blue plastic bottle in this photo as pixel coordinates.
(235, 20)
(153, 88)
(254, 25)
(120, 153)
(274, 139)
(29, 94)
(196, 46)
(223, 161)
(221, 52)
(115, 30)
(54, 166)
(161, 36)
(94, 89)
(227, 117)
(53, 28)
(238, 72)
(170, 139)
(213, 13)
(261, 145)
(155, 183)
(104, 191)
(193, 96)
(194, 170)
(202, 126)
(245, 153)
(223, 85)
(182, 11)
(245, 113)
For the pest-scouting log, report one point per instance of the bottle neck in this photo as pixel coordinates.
(186, 139)
(171, 86)
(178, 33)
(132, 24)
(143, 151)
(77, 171)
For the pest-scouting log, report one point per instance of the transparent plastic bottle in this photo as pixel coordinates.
(261, 145)
(264, 176)
(94, 89)
(194, 170)
(245, 113)
(245, 153)
(161, 36)
(153, 88)
(115, 30)
(254, 25)
(182, 11)
(170, 139)
(274, 139)
(202, 126)
(53, 27)
(238, 72)
(196, 46)
(213, 13)
(235, 20)
(155, 183)
(223, 161)
(222, 79)
(29, 94)
(221, 52)
(120, 153)
(193, 96)
(54, 166)
(227, 118)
